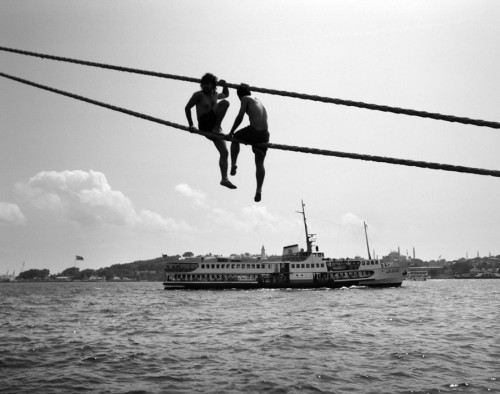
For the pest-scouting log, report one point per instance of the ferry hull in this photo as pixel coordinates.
(256, 285)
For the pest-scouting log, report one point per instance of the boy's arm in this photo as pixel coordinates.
(191, 103)
(239, 117)
(225, 90)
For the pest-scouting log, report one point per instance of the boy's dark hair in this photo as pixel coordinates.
(243, 90)
(210, 78)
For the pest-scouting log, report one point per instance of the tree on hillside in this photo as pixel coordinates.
(462, 267)
(107, 273)
(86, 274)
(72, 272)
(34, 274)
(188, 254)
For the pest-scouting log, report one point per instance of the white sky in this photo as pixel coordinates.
(76, 179)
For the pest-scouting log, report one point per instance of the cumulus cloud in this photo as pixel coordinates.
(88, 199)
(11, 213)
(150, 219)
(352, 220)
(255, 217)
(197, 197)
(250, 219)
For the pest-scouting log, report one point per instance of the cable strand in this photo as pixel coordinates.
(379, 159)
(349, 103)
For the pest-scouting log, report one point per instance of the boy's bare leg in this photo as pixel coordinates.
(220, 111)
(260, 173)
(223, 157)
(235, 151)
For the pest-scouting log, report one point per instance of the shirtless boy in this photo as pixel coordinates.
(256, 132)
(210, 115)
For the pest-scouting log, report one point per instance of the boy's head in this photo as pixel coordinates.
(243, 90)
(208, 82)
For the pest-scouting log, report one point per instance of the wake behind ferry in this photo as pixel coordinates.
(298, 269)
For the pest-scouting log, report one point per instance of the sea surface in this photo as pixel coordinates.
(438, 336)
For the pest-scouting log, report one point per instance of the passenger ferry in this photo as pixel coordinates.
(298, 269)
(417, 275)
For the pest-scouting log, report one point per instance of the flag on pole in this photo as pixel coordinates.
(78, 258)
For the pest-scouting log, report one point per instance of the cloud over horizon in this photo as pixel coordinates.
(86, 198)
(11, 213)
(197, 197)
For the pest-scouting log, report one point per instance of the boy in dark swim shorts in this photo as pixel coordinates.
(256, 133)
(207, 121)
(210, 114)
(249, 134)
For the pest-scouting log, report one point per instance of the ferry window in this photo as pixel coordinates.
(293, 265)
(233, 265)
(253, 265)
(302, 266)
(213, 266)
(218, 265)
(307, 265)
(322, 265)
(237, 266)
(203, 266)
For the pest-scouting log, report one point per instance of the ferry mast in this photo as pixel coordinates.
(308, 236)
(367, 245)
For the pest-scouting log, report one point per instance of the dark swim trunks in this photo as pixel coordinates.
(252, 135)
(207, 121)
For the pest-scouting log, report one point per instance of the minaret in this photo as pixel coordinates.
(263, 253)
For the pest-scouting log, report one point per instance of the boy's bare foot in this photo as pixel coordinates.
(257, 196)
(233, 169)
(225, 182)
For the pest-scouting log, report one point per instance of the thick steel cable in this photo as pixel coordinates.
(349, 103)
(380, 159)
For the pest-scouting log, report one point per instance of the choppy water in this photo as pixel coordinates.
(439, 336)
